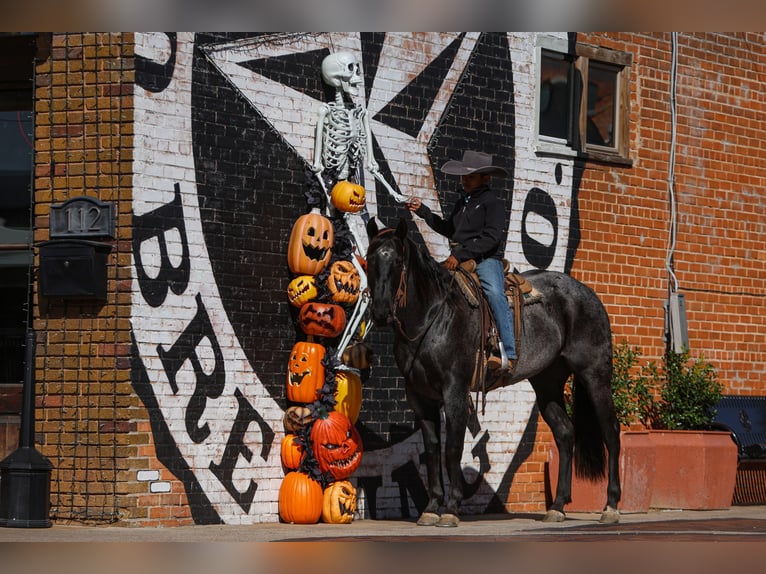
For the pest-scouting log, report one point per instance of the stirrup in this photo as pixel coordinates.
(503, 356)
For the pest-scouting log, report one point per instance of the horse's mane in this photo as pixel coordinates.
(430, 276)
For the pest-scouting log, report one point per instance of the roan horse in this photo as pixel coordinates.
(437, 333)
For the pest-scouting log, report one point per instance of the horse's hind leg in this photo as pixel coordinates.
(549, 388)
(428, 413)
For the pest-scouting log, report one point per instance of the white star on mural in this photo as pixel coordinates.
(293, 114)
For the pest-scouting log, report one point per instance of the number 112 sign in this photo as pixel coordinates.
(82, 217)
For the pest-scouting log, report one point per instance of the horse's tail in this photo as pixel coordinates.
(589, 451)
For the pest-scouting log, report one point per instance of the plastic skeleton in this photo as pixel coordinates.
(343, 139)
(343, 143)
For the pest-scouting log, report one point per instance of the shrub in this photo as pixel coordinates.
(679, 394)
(689, 391)
(633, 401)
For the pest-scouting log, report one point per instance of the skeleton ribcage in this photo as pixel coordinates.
(343, 140)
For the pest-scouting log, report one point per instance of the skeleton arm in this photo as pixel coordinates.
(318, 166)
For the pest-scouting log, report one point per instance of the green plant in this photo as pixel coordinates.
(689, 391)
(631, 392)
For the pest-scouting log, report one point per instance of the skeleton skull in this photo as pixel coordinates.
(341, 70)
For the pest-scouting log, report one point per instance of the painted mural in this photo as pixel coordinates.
(225, 133)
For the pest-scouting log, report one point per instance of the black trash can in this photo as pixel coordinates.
(25, 478)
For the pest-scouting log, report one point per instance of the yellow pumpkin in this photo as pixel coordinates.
(348, 394)
(301, 290)
(347, 196)
(339, 503)
(310, 245)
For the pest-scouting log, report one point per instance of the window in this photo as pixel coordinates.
(583, 102)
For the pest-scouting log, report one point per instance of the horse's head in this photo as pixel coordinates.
(385, 268)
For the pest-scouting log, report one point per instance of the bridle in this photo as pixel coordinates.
(399, 301)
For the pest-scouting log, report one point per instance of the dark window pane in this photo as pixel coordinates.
(555, 105)
(602, 96)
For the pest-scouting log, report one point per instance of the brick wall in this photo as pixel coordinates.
(719, 182)
(200, 142)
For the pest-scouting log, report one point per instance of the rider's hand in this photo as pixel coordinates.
(450, 263)
(413, 204)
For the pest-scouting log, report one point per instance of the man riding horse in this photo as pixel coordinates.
(476, 229)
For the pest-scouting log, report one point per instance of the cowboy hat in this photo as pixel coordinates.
(473, 162)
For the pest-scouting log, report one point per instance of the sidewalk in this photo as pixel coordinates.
(743, 522)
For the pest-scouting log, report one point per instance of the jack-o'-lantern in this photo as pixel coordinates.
(305, 372)
(343, 282)
(347, 196)
(339, 503)
(296, 418)
(322, 319)
(336, 443)
(291, 452)
(300, 499)
(348, 394)
(301, 290)
(310, 245)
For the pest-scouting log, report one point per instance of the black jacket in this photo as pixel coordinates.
(475, 228)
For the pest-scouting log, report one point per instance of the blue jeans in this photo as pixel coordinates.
(490, 272)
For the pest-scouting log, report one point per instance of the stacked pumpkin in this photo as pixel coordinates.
(321, 447)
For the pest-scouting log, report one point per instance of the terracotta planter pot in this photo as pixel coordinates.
(636, 476)
(694, 470)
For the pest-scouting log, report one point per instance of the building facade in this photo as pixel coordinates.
(179, 163)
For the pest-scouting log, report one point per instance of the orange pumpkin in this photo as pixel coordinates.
(343, 282)
(291, 452)
(347, 196)
(305, 372)
(300, 499)
(322, 319)
(337, 445)
(310, 245)
(348, 394)
(339, 503)
(301, 290)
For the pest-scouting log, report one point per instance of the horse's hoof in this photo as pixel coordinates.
(554, 516)
(428, 519)
(610, 516)
(448, 520)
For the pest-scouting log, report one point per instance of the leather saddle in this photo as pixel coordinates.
(519, 293)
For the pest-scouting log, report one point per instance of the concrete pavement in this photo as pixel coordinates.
(746, 523)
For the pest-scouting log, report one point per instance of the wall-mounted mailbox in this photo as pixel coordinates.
(73, 268)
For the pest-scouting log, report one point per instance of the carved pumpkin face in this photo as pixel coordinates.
(339, 503)
(343, 282)
(296, 418)
(322, 319)
(347, 196)
(301, 290)
(305, 372)
(348, 394)
(337, 445)
(310, 246)
(300, 499)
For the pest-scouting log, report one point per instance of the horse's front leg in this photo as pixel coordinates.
(427, 412)
(456, 416)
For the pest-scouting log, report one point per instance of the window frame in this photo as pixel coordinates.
(576, 146)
